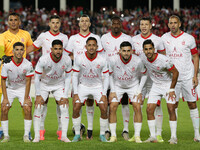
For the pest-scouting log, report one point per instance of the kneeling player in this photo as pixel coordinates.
(88, 83)
(125, 70)
(18, 74)
(164, 76)
(56, 77)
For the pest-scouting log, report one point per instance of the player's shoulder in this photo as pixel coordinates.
(66, 57)
(26, 61)
(155, 36)
(24, 32)
(106, 35)
(136, 37)
(63, 35)
(188, 36)
(166, 35)
(73, 37)
(114, 59)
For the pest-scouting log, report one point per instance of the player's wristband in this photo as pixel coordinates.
(171, 90)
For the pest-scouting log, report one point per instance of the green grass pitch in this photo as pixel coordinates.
(184, 131)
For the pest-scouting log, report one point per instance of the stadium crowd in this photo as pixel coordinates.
(36, 22)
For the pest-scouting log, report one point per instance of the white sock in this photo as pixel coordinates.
(107, 125)
(194, 114)
(137, 127)
(27, 126)
(90, 116)
(64, 120)
(173, 127)
(76, 123)
(43, 116)
(103, 123)
(37, 120)
(125, 114)
(4, 125)
(113, 129)
(152, 126)
(159, 119)
(176, 112)
(58, 117)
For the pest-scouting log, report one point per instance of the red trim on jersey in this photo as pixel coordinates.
(126, 62)
(161, 50)
(75, 70)
(115, 36)
(154, 58)
(171, 68)
(30, 75)
(54, 60)
(194, 51)
(68, 71)
(146, 37)
(67, 51)
(19, 63)
(106, 71)
(3, 77)
(89, 58)
(100, 50)
(85, 35)
(54, 34)
(35, 46)
(38, 72)
(177, 35)
(144, 72)
(110, 72)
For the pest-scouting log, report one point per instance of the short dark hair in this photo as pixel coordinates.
(18, 44)
(91, 38)
(115, 18)
(14, 14)
(125, 43)
(54, 17)
(149, 41)
(146, 19)
(57, 42)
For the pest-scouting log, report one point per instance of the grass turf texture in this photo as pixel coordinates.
(16, 130)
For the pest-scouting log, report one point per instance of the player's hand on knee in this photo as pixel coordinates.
(111, 96)
(103, 99)
(139, 98)
(76, 99)
(172, 96)
(27, 102)
(5, 105)
(64, 101)
(39, 101)
(195, 82)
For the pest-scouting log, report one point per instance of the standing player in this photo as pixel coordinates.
(44, 41)
(125, 70)
(18, 75)
(88, 82)
(145, 27)
(181, 48)
(11, 36)
(53, 75)
(164, 76)
(111, 44)
(76, 46)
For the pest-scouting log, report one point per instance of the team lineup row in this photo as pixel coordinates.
(126, 76)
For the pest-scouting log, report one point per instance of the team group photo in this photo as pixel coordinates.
(111, 78)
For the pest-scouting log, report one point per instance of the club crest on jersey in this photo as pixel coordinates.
(183, 43)
(158, 68)
(193, 92)
(133, 69)
(22, 39)
(24, 71)
(63, 67)
(98, 66)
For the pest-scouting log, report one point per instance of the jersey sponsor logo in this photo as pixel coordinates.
(54, 76)
(91, 74)
(157, 74)
(18, 80)
(125, 77)
(175, 54)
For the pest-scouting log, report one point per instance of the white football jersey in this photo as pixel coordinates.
(53, 72)
(45, 40)
(157, 69)
(90, 71)
(111, 44)
(16, 73)
(126, 75)
(77, 43)
(180, 50)
(139, 39)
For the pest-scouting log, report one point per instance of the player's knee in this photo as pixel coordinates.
(4, 110)
(192, 105)
(113, 107)
(137, 107)
(171, 110)
(149, 110)
(27, 109)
